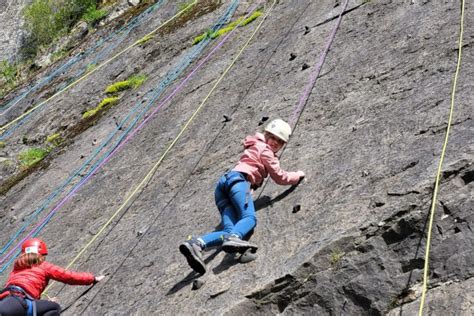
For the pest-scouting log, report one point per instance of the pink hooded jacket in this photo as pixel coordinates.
(258, 161)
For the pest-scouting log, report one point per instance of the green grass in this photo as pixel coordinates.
(131, 83)
(201, 37)
(8, 71)
(47, 20)
(54, 139)
(31, 156)
(90, 67)
(222, 31)
(228, 28)
(59, 54)
(9, 74)
(335, 257)
(184, 5)
(2, 144)
(93, 15)
(251, 18)
(104, 104)
(145, 39)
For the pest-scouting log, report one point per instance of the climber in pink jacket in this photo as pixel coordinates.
(232, 194)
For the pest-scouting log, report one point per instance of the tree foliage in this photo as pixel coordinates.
(46, 20)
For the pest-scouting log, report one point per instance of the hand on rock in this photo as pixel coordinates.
(301, 174)
(99, 278)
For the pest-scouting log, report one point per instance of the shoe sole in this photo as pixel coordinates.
(193, 262)
(230, 247)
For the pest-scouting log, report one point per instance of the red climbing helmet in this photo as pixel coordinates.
(34, 245)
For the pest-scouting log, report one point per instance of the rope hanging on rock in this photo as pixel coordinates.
(130, 136)
(440, 165)
(125, 29)
(152, 171)
(4, 128)
(154, 94)
(299, 107)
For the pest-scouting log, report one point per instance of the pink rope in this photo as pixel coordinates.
(136, 130)
(314, 75)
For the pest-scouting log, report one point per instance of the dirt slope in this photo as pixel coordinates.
(369, 141)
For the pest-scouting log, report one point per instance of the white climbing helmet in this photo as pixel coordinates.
(280, 129)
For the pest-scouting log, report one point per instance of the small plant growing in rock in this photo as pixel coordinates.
(90, 67)
(203, 36)
(394, 302)
(228, 28)
(335, 257)
(145, 39)
(236, 23)
(104, 104)
(54, 140)
(59, 54)
(31, 156)
(2, 144)
(250, 19)
(184, 5)
(8, 71)
(131, 83)
(8, 76)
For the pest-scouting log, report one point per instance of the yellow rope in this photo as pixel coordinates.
(438, 174)
(6, 126)
(158, 163)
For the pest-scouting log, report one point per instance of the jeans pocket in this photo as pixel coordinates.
(234, 177)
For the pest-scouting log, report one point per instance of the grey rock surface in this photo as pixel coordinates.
(369, 141)
(11, 24)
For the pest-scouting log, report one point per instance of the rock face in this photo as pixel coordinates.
(350, 240)
(11, 23)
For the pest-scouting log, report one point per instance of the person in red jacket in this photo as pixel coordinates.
(232, 194)
(30, 276)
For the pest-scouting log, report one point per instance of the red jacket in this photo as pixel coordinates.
(35, 279)
(258, 161)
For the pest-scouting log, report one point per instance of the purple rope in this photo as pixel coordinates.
(314, 75)
(136, 130)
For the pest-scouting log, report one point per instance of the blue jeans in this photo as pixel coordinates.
(235, 204)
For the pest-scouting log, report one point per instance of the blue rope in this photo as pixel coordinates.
(41, 83)
(126, 29)
(155, 94)
(136, 21)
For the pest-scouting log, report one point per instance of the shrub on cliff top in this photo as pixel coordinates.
(46, 20)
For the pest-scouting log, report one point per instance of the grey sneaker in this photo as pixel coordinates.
(192, 250)
(233, 243)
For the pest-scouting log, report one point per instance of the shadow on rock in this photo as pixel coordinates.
(265, 200)
(406, 291)
(191, 276)
(228, 261)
